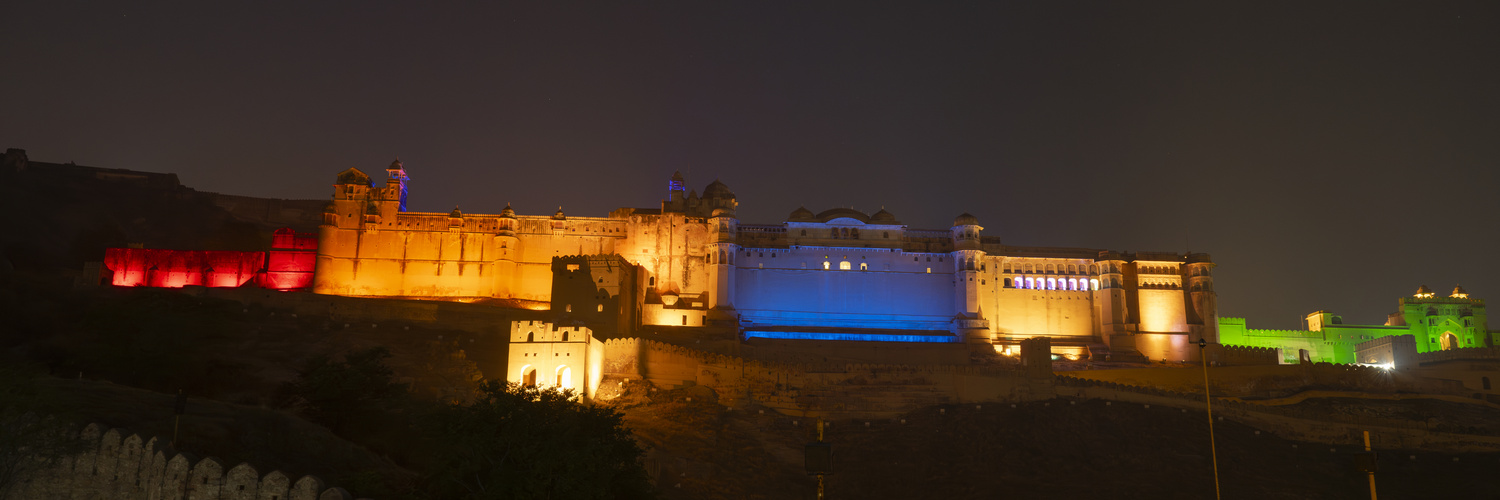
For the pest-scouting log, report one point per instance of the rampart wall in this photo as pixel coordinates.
(843, 389)
(117, 466)
(1239, 355)
(1296, 423)
(1467, 353)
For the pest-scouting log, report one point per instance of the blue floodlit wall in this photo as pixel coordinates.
(941, 339)
(895, 291)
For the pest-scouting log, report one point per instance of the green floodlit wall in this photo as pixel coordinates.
(1232, 331)
(1428, 319)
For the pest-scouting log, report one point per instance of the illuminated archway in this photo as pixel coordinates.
(1450, 341)
(564, 377)
(528, 376)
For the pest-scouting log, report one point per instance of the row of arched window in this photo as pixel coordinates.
(1051, 268)
(1040, 283)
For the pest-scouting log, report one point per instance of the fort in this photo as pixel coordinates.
(840, 315)
(835, 287)
(835, 275)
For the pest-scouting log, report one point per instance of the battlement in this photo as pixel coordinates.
(546, 331)
(117, 465)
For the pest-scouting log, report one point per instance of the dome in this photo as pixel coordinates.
(455, 213)
(717, 189)
(1423, 291)
(507, 211)
(800, 214)
(965, 220)
(559, 215)
(883, 216)
(1459, 292)
(395, 165)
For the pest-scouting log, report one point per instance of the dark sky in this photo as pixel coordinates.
(1329, 156)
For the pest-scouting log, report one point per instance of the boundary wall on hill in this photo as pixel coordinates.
(1297, 423)
(1242, 355)
(844, 389)
(1466, 354)
(128, 467)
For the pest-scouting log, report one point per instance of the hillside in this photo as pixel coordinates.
(1062, 448)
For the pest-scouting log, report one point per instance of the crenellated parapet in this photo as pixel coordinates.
(120, 464)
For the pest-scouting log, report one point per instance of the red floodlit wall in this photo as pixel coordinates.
(288, 266)
(178, 268)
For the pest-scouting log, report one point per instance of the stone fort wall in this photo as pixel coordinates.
(117, 466)
(842, 389)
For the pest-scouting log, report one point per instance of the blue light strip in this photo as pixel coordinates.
(865, 337)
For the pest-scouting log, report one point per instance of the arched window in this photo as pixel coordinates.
(825, 265)
(1030, 283)
(1051, 283)
(864, 267)
(564, 377)
(885, 234)
(568, 308)
(565, 336)
(531, 337)
(528, 376)
(1486, 382)
(804, 232)
(1094, 284)
(854, 233)
(1072, 283)
(844, 265)
(601, 308)
(1007, 282)
(653, 281)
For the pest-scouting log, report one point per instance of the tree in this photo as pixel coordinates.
(348, 395)
(525, 442)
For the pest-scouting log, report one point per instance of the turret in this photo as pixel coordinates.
(676, 189)
(721, 256)
(1109, 299)
(966, 232)
(396, 180)
(968, 260)
(507, 245)
(1199, 283)
(351, 200)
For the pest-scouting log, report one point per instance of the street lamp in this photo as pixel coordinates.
(1208, 402)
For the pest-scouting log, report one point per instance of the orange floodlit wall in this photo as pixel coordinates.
(288, 266)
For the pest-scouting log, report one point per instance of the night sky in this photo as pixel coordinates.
(1329, 156)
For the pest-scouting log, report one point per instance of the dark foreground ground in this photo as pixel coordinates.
(1057, 449)
(127, 345)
